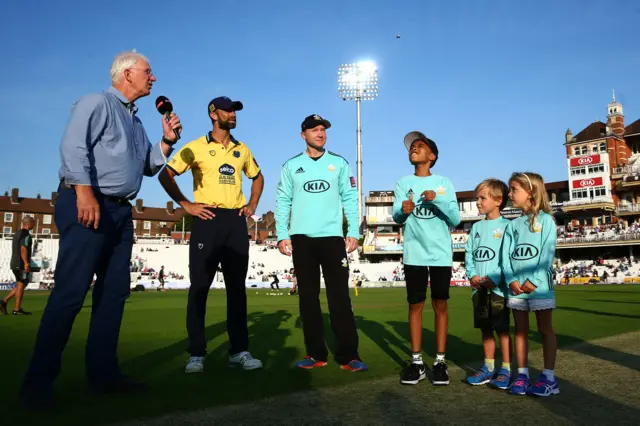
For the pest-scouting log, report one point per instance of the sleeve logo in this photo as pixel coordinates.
(353, 181)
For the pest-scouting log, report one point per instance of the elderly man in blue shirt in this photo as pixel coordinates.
(105, 152)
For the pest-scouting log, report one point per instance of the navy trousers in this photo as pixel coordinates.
(219, 241)
(105, 252)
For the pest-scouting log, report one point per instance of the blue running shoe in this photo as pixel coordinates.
(544, 387)
(482, 377)
(502, 380)
(308, 363)
(521, 385)
(354, 366)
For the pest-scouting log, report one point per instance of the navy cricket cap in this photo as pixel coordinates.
(411, 137)
(225, 104)
(314, 120)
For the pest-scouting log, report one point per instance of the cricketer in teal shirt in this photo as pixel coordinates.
(528, 255)
(314, 193)
(483, 251)
(427, 240)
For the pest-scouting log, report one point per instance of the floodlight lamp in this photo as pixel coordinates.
(358, 81)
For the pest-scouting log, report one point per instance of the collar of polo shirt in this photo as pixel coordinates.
(211, 139)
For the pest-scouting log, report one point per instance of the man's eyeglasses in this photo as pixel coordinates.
(148, 71)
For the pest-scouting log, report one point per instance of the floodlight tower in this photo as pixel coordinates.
(358, 82)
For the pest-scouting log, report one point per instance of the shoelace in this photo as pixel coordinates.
(245, 358)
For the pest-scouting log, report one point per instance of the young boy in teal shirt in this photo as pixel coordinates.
(426, 205)
(482, 261)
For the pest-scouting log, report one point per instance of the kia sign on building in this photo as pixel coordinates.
(585, 161)
(587, 183)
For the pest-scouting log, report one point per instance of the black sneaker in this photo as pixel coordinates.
(21, 312)
(3, 307)
(413, 373)
(440, 374)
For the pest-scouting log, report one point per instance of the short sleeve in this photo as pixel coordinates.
(251, 168)
(183, 160)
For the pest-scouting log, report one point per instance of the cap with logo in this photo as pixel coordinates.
(411, 137)
(314, 120)
(225, 104)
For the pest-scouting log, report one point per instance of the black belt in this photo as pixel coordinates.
(118, 200)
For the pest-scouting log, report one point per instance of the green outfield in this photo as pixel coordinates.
(152, 348)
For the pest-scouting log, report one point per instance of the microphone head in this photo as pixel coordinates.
(163, 104)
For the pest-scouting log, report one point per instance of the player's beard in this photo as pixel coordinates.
(226, 124)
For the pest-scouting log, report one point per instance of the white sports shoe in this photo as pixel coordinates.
(245, 361)
(195, 365)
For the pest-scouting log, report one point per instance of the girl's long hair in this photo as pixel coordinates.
(534, 184)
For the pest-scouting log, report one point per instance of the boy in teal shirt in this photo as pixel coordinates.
(482, 261)
(427, 206)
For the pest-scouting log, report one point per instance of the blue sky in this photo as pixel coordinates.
(494, 83)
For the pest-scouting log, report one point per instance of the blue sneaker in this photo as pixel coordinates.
(502, 380)
(521, 385)
(482, 377)
(354, 366)
(544, 387)
(308, 363)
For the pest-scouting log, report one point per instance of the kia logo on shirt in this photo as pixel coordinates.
(483, 254)
(227, 169)
(587, 182)
(524, 252)
(423, 212)
(585, 160)
(316, 186)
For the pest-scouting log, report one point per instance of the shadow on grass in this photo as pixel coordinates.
(171, 390)
(584, 347)
(592, 312)
(388, 342)
(630, 302)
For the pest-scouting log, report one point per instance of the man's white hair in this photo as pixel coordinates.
(123, 61)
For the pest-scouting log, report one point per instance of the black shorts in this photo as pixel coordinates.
(417, 277)
(490, 311)
(21, 276)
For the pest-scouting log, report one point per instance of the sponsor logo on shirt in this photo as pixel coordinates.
(524, 252)
(483, 254)
(227, 175)
(353, 182)
(226, 169)
(316, 186)
(424, 212)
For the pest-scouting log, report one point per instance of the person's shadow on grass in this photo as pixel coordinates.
(592, 312)
(571, 343)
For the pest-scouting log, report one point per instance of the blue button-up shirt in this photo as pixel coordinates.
(106, 146)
